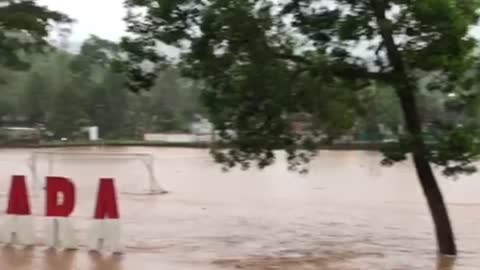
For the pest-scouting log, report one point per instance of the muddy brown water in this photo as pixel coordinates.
(347, 213)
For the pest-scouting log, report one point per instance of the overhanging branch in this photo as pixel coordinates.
(342, 70)
(294, 58)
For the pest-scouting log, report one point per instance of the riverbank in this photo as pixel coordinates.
(361, 146)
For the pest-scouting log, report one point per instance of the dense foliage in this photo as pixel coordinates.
(24, 25)
(65, 92)
(264, 61)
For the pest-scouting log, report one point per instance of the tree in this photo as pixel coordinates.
(35, 99)
(261, 61)
(67, 115)
(117, 106)
(102, 90)
(24, 28)
(96, 54)
(173, 102)
(107, 105)
(9, 91)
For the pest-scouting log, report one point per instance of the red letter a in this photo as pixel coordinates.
(18, 197)
(56, 185)
(106, 200)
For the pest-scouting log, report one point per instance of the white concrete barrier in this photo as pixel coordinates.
(18, 230)
(105, 235)
(61, 233)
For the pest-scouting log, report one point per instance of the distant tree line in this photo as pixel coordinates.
(64, 92)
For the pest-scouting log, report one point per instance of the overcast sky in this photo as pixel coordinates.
(100, 17)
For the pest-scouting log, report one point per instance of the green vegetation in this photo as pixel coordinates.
(346, 64)
(24, 26)
(65, 92)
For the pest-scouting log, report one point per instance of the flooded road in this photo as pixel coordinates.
(348, 213)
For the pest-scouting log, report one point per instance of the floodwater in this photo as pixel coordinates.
(348, 213)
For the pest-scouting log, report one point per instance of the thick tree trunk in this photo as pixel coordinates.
(443, 228)
(405, 89)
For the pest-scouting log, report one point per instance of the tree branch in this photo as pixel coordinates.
(342, 70)
(294, 58)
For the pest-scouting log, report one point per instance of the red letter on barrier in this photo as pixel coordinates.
(106, 200)
(56, 186)
(18, 197)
